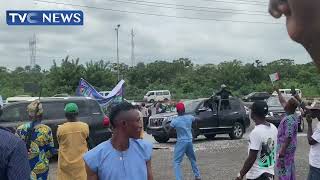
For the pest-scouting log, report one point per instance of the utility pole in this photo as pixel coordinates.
(132, 49)
(117, 30)
(33, 50)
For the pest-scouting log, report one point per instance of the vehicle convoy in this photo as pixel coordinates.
(276, 112)
(211, 119)
(15, 114)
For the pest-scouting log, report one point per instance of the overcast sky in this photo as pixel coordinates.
(156, 38)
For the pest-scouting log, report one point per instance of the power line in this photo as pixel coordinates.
(160, 15)
(188, 9)
(198, 7)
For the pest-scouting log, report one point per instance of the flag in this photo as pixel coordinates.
(87, 90)
(274, 77)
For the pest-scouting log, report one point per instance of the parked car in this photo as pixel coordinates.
(158, 95)
(276, 112)
(256, 96)
(15, 114)
(211, 119)
(287, 92)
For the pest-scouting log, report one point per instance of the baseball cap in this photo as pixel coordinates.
(71, 108)
(260, 108)
(180, 107)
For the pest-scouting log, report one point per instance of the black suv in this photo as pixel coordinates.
(256, 96)
(90, 112)
(211, 117)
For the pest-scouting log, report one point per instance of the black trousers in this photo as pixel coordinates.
(264, 176)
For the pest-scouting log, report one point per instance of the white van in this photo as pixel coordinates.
(159, 95)
(287, 92)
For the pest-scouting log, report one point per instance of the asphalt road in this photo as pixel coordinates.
(219, 159)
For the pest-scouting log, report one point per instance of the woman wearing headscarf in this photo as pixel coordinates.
(287, 139)
(39, 141)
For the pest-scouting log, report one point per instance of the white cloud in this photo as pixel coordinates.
(156, 37)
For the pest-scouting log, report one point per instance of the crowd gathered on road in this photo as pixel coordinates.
(25, 154)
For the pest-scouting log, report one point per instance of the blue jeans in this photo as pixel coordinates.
(180, 149)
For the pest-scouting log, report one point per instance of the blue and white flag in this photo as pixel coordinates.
(87, 90)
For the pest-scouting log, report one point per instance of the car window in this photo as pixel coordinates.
(235, 105)
(165, 93)
(83, 108)
(159, 93)
(13, 113)
(94, 107)
(53, 110)
(151, 94)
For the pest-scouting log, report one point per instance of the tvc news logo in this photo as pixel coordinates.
(45, 17)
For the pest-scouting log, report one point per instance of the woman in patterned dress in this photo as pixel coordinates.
(287, 140)
(39, 140)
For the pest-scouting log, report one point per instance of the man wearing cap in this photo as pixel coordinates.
(262, 146)
(183, 125)
(72, 138)
(39, 141)
(314, 140)
(224, 95)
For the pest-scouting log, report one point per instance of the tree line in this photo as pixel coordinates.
(183, 78)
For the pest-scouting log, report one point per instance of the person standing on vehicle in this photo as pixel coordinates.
(39, 141)
(183, 125)
(314, 141)
(224, 95)
(260, 162)
(14, 164)
(72, 137)
(287, 139)
(125, 156)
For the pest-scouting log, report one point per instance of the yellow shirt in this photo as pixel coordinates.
(72, 138)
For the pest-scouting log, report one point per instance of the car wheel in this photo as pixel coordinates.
(210, 136)
(151, 101)
(301, 126)
(237, 131)
(161, 139)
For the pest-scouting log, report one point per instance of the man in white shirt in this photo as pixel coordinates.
(262, 146)
(314, 141)
(145, 115)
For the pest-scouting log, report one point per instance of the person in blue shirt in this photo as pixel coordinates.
(125, 156)
(14, 164)
(183, 125)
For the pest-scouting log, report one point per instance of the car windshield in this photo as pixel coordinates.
(274, 101)
(191, 105)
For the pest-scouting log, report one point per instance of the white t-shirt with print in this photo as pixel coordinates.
(314, 155)
(264, 139)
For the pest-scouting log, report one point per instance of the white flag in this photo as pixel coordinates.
(274, 77)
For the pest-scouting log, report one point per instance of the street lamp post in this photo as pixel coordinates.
(118, 64)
